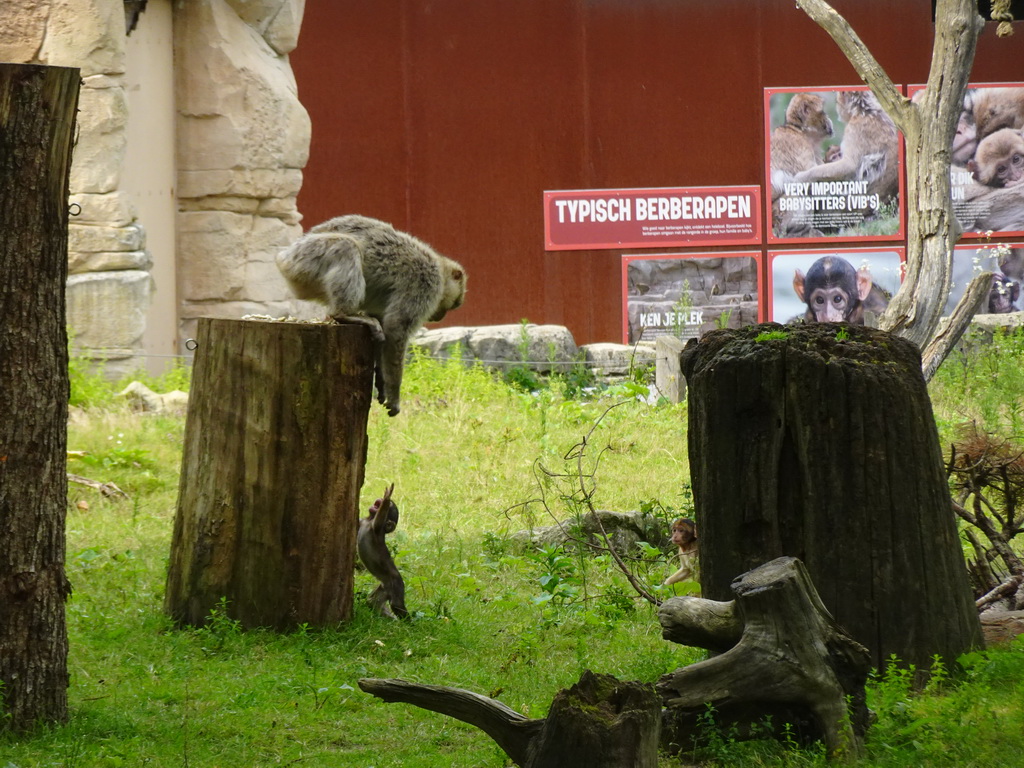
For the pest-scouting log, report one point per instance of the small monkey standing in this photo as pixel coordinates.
(684, 536)
(373, 551)
(366, 271)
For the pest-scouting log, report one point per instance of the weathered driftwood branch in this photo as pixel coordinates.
(598, 723)
(509, 729)
(1008, 587)
(701, 623)
(790, 656)
(949, 334)
(107, 489)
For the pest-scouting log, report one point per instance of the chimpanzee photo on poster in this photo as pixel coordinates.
(987, 160)
(834, 166)
(686, 295)
(851, 286)
(1005, 261)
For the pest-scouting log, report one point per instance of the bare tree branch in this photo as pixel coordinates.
(870, 71)
(947, 337)
(928, 127)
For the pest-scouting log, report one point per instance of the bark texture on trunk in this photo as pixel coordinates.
(37, 118)
(821, 445)
(275, 448)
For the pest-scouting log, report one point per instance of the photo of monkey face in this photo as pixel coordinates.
(826, 286)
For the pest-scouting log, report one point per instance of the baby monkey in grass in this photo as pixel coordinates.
(684, 536)
(374, 552)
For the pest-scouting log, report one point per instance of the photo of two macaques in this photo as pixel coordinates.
(389, 596)
(987, 160)
(368, 272)
(834, 164)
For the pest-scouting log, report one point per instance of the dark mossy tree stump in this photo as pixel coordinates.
(783, 658)
(599, 722)
(820, 444)
(275, 448)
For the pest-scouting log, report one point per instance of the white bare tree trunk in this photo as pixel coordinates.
(928, 126)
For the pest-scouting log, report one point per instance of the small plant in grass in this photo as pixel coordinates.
(118, 456)
(220, 629)
(559, 581)
(521, 375)
(579, 380)
(89, 388)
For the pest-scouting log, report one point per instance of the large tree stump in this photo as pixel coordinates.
(822, 445)
(599, 722)
(783, 656)
(37, 126)
(275, 447)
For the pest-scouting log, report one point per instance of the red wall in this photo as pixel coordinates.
(449, 118)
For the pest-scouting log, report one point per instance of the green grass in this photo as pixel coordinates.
(464, 455)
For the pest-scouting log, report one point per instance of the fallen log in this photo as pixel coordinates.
(599, 722)
(784, 657)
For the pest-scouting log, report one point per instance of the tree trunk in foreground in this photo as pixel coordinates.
(822, 446)
(275, 448)
(599, 722)
(783, 657)
(37, 118)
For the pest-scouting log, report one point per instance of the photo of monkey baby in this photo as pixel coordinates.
(368, 272)
(987, 160)
(852, 286)
(833, 164)
(389, 597)
(684, 538)
(1006, 262)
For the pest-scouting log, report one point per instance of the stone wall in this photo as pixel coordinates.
(108, 286)
(242, 139)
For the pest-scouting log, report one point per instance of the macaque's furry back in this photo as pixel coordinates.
(366, 270)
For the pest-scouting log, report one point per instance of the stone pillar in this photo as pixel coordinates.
(243, 138)
(108, 287)
(668, 373)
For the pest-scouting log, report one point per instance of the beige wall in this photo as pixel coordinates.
(190, 145)
(149, 171)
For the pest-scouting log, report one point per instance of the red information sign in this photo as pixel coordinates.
(591, 219)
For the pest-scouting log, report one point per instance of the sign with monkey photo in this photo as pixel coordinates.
(685, 295)
(987, 159)
(833, 161)
(832, 286)
(586, 219)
